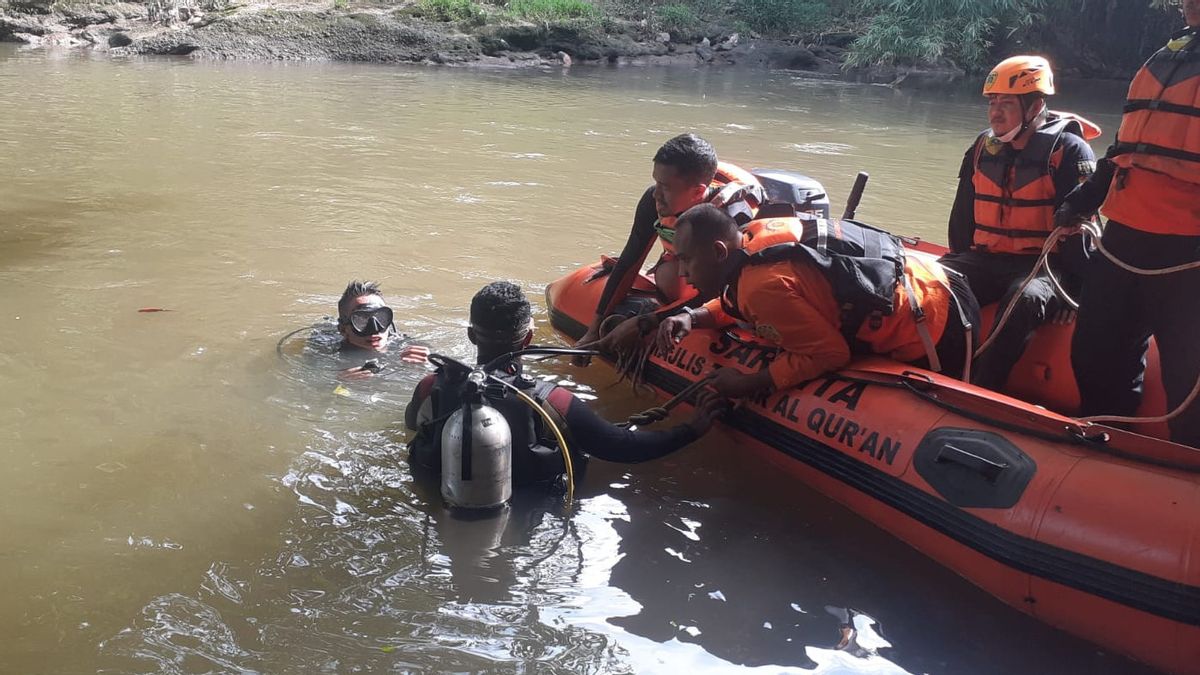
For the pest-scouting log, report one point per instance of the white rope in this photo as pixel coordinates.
(1187, 402)
(1043, 262)
(1092, 228)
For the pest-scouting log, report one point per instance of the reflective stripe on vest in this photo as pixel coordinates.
(1015, 193)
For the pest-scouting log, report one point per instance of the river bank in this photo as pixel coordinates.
(410, 34)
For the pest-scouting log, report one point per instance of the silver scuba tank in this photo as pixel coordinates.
(476, 456)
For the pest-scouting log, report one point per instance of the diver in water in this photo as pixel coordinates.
(366, 324)
(502, 323)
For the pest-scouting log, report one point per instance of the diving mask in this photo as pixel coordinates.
(368, 320)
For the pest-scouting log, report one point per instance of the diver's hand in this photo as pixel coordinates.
(709, 406)
(414, 354)
(733, 384)
(673, 329)
(355, 373)
(588, 341)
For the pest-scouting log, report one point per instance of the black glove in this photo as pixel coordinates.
(1067, 215)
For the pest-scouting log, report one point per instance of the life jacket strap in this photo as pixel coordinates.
(935, 363)
(1123, 148)
(1154, 104)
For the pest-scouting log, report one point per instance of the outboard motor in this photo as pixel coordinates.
(788, 187)
(476, 452)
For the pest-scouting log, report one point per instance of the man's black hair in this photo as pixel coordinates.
(355, 289)
(692, 156)
(709, 224)
(500, 312)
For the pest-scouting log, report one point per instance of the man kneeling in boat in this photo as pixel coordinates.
(502, 323)
(686, 173)
(775, 277)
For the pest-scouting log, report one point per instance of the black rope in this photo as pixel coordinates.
(659, 413)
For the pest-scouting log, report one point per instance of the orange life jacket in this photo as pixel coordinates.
(879, 290)
(732, 189)
(1157, 185)
(1015, 196)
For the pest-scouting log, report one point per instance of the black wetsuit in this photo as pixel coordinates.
(536, 456)
(642, 236)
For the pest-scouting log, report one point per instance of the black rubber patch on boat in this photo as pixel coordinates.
(974, 469)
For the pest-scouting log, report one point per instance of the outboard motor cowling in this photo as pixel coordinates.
(788, 187)
(476, 455)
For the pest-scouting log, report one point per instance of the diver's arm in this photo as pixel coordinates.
(637, 247)
(420, 393)
(962, 214)
(600, 438)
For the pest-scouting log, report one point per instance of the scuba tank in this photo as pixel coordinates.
(476, 452)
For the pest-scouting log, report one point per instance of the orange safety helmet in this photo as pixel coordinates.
(1020, 75)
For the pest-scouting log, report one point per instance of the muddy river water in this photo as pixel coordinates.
(179, 496)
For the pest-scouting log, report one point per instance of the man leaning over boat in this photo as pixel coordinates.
(686, 173)
(779, 275)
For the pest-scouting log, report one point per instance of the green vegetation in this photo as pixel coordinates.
(553, 10)
(677, 18)
(450, 10)
(928, 31)
(973, 33)
(784, 17)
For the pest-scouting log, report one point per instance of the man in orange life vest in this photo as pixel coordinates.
(686, 173)
(791, 303)
(1012, 178)
(1149, 183)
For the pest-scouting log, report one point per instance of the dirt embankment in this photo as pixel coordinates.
(390, 35)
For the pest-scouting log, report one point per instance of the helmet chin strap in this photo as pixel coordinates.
(1025, 124)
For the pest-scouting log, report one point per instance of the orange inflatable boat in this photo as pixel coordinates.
(1091, 529)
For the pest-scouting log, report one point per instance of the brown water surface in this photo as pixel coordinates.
(180, 497)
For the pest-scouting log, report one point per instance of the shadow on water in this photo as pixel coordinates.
(32, 228)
